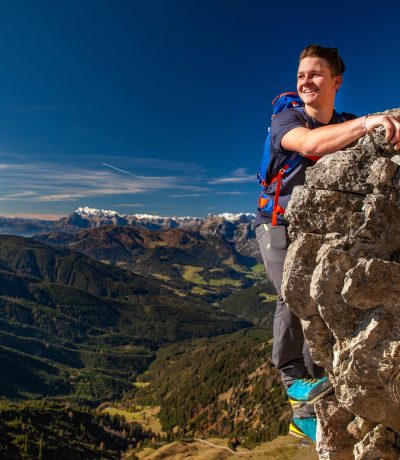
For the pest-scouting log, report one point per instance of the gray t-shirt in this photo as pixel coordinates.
(281, 124)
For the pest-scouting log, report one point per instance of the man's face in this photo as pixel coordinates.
(315, 83)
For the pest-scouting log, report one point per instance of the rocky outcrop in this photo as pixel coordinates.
(342, 278)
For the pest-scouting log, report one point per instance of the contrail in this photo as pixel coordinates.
(120, 170)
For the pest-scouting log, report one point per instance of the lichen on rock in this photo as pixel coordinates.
(342, 278)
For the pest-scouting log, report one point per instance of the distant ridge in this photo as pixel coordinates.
(92, 212)
(85, 217)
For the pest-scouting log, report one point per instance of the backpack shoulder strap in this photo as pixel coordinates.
(281, 102)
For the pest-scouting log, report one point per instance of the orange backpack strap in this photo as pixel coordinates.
(278, 209)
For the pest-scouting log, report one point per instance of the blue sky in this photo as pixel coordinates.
(161, 106)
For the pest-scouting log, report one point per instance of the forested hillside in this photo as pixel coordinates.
(54, 430)
(75, 330)
(76, 327)
(255, 304)
(224, 386)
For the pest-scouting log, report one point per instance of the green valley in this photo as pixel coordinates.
(75, 327)
(207, 267)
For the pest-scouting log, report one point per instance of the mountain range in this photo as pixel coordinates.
(85, 217)
(86, 309)
(236, 228)
(209, 257)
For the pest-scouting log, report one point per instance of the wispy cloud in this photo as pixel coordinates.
(119, 170)
(5, 166)
(209, 194)
(43, 182)
(139, 177)
(168, 165)
(130, 205)
(236, 176)
(235, 192)
(187, 195)
(20, 195)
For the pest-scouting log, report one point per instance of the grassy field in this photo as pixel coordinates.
(281, 448)
(192, 274)
(267, 298)
(231, 263)
(146, 416)
(224, 282)
(198, 290)
(141, 384)
(216, 270)
(258, 269)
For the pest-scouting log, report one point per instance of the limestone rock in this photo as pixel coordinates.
(325, 289)
(359, 427)
(363, 287)
(320, 340)
(377, 444)
(349, 173)
(382, 173)
(332, 442)
(378, 232)
(301, 261)
(342, 278)
(304, 218)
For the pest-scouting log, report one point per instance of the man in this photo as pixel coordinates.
(313, 131)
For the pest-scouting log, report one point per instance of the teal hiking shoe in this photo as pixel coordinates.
(304, 428)
(308, 391)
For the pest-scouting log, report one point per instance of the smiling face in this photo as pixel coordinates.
(315, 83)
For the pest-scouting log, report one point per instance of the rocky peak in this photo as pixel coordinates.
(90, 212)
(342, 278)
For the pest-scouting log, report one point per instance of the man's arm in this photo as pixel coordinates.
(329, 139)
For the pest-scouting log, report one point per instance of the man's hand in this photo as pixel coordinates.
(391, 124)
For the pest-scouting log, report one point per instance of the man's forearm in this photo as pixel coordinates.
(329, 139)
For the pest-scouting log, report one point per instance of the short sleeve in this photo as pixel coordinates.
(283, 123)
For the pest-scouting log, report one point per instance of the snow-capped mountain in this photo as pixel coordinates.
(237, 228)
(241, 217)
(85, 217)
(95, 212)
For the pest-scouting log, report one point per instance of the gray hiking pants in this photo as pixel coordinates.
(290, 352)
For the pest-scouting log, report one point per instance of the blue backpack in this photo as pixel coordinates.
(266, 203)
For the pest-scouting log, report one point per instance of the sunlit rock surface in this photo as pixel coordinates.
(342, 278)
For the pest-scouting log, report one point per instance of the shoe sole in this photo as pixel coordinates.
(302, 437)
(293, 431)
(319, 396)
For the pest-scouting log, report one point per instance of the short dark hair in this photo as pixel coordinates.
(331, 55)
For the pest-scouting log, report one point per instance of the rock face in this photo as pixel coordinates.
(342, 278)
